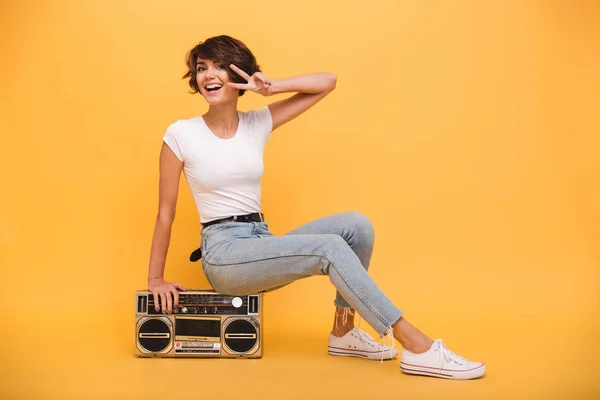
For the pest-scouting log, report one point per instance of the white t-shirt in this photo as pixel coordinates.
(224, 175)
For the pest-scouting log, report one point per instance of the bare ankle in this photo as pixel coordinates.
(341, 331)
(410, 337)
(417, 347)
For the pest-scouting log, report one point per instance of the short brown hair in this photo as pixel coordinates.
(221, 49)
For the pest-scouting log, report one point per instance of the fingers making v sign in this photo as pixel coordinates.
(258, 82)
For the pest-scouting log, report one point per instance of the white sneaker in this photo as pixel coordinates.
(358, 343)
(440, 362)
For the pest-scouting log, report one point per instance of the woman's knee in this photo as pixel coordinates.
(334, 247)
(362, 227)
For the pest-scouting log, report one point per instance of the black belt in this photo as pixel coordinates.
(254, 217)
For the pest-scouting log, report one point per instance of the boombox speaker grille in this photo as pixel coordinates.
(154, 335)
(240, 336)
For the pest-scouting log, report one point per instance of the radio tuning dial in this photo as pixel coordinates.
(184, 309)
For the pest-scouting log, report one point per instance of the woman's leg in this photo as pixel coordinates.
(357, 230)
(242, 258)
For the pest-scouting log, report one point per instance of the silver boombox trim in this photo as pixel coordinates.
(205, 324)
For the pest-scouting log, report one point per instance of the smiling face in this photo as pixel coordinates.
(212, 78)
(208, 63)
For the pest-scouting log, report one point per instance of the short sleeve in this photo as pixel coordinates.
(172, 140)
(264, 121)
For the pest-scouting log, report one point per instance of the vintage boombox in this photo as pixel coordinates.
(205, 324)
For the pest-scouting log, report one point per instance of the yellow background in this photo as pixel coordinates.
(466, 130)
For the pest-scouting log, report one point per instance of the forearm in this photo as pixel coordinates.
(310, 83)
(160, 246)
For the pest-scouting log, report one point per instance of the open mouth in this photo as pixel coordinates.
(213, 88)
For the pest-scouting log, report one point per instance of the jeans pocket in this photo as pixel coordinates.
(263, 230)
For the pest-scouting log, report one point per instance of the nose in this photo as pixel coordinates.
(210, 72)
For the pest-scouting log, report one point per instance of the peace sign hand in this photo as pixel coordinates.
(258, 82)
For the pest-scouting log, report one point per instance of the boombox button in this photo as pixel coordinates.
(237, 302)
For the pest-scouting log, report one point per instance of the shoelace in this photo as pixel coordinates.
(389, 340)
(390, 343)
(383, 348)
(368, 339)
(448, 355)
(345, 313)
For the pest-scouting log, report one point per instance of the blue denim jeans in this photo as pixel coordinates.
(241, 258)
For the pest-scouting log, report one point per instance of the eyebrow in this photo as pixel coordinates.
(204, 63)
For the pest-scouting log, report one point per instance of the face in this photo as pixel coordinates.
(212, 78)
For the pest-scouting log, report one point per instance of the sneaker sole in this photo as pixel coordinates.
(369, 356)
(471, 374)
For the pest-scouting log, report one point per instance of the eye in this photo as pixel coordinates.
(200, 69)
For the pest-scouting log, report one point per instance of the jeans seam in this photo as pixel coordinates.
(261, 257)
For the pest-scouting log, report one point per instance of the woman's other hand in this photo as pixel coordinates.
(258, 82)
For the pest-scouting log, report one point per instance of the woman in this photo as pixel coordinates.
(221, 155)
